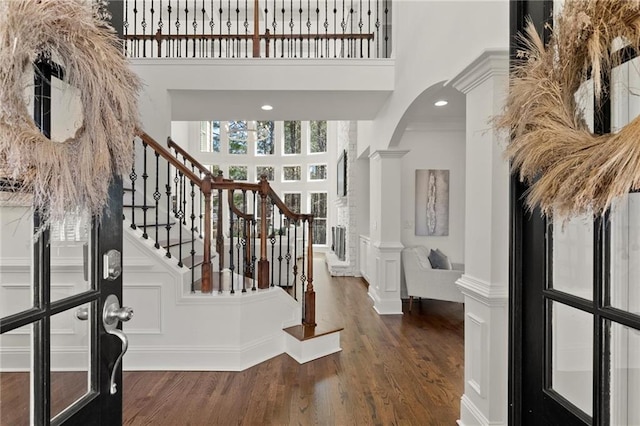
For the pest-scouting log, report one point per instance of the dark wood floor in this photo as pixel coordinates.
(393, 370)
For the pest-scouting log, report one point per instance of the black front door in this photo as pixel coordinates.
(59, 337)
(575, 299)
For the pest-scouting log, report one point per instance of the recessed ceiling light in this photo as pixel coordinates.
(266, 107)
(440, 103)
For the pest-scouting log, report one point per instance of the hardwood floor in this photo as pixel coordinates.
(393, 370)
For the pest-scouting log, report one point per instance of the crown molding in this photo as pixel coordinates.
(388, 153)
(490, 63)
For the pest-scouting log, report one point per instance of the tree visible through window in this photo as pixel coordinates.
(238, 172)
(292, 137)
(291, 173)
(238, 135)
(319, 212)
(317, 172)
(264, 138)
(318, 136)
(268, 171)
(210, 136)
(292, 200)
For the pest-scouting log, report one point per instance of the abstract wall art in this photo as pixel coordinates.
(432, 202)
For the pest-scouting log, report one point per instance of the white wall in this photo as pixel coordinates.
(433, 41)
(435, 149)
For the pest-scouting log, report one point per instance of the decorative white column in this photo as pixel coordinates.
(486, 278)
(385, 231)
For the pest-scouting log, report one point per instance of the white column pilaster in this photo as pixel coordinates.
(385, 231)
(486, 278)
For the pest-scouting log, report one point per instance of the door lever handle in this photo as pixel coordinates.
(111, 315)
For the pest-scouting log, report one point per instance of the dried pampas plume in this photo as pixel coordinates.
(76, 173)
(571, 170)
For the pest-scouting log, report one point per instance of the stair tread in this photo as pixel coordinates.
(307, 332)
(175, 241)
(196, 260)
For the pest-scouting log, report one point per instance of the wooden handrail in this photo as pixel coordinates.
(187, 156)
(166, 154)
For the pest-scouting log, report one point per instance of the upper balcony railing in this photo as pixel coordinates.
(257, 28)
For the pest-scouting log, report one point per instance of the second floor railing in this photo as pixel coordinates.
(257, 28)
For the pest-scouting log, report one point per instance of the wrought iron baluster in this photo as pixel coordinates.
(246, 30)
(133, 176)
(335, 27)
(145, 175)
(280, 234)
(156, 196)
(272, 240)
(386, 28)
(287, 255)
(201, 215)
(377, 25)
(177, 44)
(282, 40)
(180, 215)
(245, 244)
(203, 42)
(169, 41)
(125, 27)
(231, 265)
(369, 29)
(169, 208)
(193, 239)
(183, 193)
(292, 47)
(194, 24)
(212, 24)
(274, 25)
(255, 236)
(303, 277)
(318, 46)
(135, 27)
(221, 12)
(295, 258)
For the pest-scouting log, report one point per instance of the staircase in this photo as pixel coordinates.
(175, 203)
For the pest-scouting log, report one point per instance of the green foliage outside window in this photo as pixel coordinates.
(264, 138)
(291, 172)
(292, 137)
(318, 136)
(238, 135)
(238, 172)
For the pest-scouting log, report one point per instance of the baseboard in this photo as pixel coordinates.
(470, 415)
(202, 358)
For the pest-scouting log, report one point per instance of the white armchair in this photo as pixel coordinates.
(424, 281)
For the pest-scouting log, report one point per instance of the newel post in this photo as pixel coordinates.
(263, 263)
(206, 265)
(310, 294)
(158, 38)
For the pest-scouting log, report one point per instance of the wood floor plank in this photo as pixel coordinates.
(393, 370)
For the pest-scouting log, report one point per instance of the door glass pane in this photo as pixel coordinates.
(624, 255)
(70, 357)
(625, 375)
(573, 256)
(15, 376)
(16, 253)
(572, 355)
(70, 255)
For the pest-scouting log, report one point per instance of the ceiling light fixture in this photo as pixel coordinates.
(266, 107)
(440, 103)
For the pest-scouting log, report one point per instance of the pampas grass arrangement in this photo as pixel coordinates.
(76, 173)
(571, 170)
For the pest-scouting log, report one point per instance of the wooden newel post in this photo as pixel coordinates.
(310, 294)
(263, 263)
(207, 287)
(256, 29)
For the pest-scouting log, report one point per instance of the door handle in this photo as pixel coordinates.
(111, 314)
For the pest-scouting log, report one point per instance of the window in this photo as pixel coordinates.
(319, 211)
(238, 135)
(264, 138)
(238, 172)
(291, 173)
(318, 172)
(318, 136)
(292, 137)
(292, 200)
(214, 169)
(268, 171)
(210, 136)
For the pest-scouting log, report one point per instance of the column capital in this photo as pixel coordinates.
(388, 153)
(490, 63)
